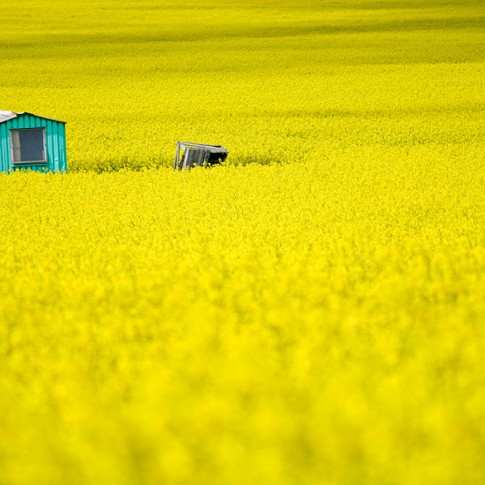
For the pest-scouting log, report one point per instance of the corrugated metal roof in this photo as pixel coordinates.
(8, 115)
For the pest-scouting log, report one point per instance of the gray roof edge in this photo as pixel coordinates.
(212, 148)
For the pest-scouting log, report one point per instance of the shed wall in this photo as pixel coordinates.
(55, 143)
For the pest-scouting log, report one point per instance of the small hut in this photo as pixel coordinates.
(31, 142)
(189, 154)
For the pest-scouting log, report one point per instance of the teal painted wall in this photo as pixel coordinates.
(55, 133)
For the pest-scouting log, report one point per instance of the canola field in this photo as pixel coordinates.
(313, 311)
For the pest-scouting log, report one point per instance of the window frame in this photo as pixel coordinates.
(29, 162)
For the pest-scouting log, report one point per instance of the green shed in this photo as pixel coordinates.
(32, 142)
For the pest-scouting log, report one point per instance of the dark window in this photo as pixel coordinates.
(28, 146)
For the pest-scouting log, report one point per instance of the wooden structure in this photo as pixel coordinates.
(190, 154)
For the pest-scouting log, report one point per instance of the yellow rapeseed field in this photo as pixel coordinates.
(313, 311)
